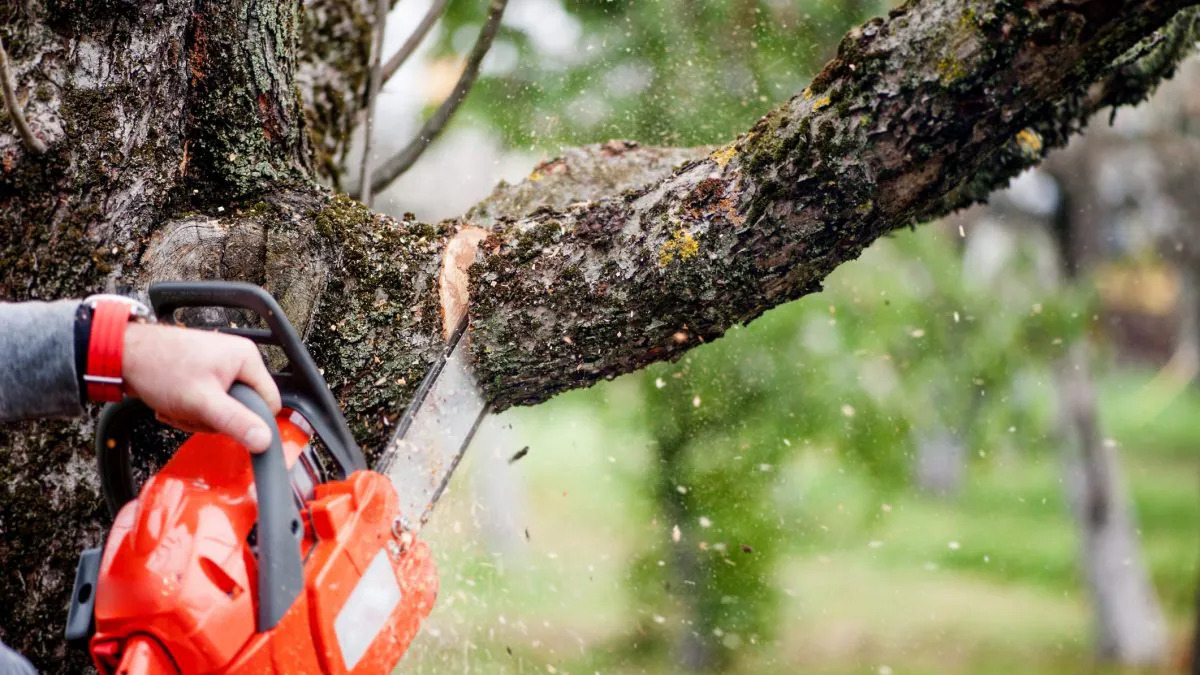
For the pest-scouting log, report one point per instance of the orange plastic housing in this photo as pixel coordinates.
(177, 584)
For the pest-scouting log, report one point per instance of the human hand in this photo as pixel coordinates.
(184, 375)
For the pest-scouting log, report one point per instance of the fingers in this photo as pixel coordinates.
(184, 375)
(224, 415)
(254, 373)
(179, 424)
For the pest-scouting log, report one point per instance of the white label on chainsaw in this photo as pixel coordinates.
(367, 609)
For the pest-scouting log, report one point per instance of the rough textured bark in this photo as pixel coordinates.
(566, 297)
(184, 138)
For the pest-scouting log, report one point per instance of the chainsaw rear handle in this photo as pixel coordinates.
(280, 570)
(301, 385)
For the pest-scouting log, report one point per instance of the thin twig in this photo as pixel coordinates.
(381, 12)
(400, 163)
(410, 45)
(33, 143)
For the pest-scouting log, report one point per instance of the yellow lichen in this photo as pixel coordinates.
(536, 176)
(723, 155)
(950, 69)
(966, 20)
(808, 94)
(820, 103)
(1030, 142)
(681, 244)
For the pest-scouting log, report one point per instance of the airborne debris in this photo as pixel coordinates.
(676, 535)
(705, 522)
(519, 454)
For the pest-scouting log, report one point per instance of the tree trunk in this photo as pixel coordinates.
(693, 642)
(940, 464)
(184, 139)
(1129, 623)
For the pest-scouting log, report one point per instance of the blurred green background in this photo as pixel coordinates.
(818, 554)
(755, 507)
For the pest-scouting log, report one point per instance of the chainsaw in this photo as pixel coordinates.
(299, 559)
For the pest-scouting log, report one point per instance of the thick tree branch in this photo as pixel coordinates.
(398, 164)
(918, 115)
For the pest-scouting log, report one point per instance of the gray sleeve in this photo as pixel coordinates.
(12, 663)
(37, 360)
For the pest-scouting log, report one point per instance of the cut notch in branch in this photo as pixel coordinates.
(454, 281)
(418, 35)
(401, 161)
(9, 86)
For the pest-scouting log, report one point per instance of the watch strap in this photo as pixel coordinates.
(106, 347)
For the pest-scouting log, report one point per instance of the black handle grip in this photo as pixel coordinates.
(302, 387)
(280, 570)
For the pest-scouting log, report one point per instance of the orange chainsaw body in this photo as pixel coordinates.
(176, 589)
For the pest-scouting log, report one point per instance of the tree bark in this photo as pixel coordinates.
(184, 139)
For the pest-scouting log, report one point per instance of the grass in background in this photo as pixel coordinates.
(873, 576)
(985, 582)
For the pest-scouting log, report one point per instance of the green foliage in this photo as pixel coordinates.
(900, 342)
(669, 72)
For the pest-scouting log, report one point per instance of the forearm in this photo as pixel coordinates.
(37, 360)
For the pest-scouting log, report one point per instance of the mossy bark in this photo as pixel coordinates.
(185, 138)
(919, 114)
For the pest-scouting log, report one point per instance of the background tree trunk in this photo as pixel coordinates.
(184, 139)
(693, 641)
(1129, 625)
(1130, 628)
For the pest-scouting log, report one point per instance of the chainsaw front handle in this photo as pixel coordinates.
(301, 385)
(280, 570)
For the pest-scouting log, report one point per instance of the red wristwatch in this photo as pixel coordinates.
(110, 314)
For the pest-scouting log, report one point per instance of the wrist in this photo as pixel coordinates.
(136, 341)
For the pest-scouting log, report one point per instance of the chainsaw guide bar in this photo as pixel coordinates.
(434, 432)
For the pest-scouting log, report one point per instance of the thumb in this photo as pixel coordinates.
(226, 416)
